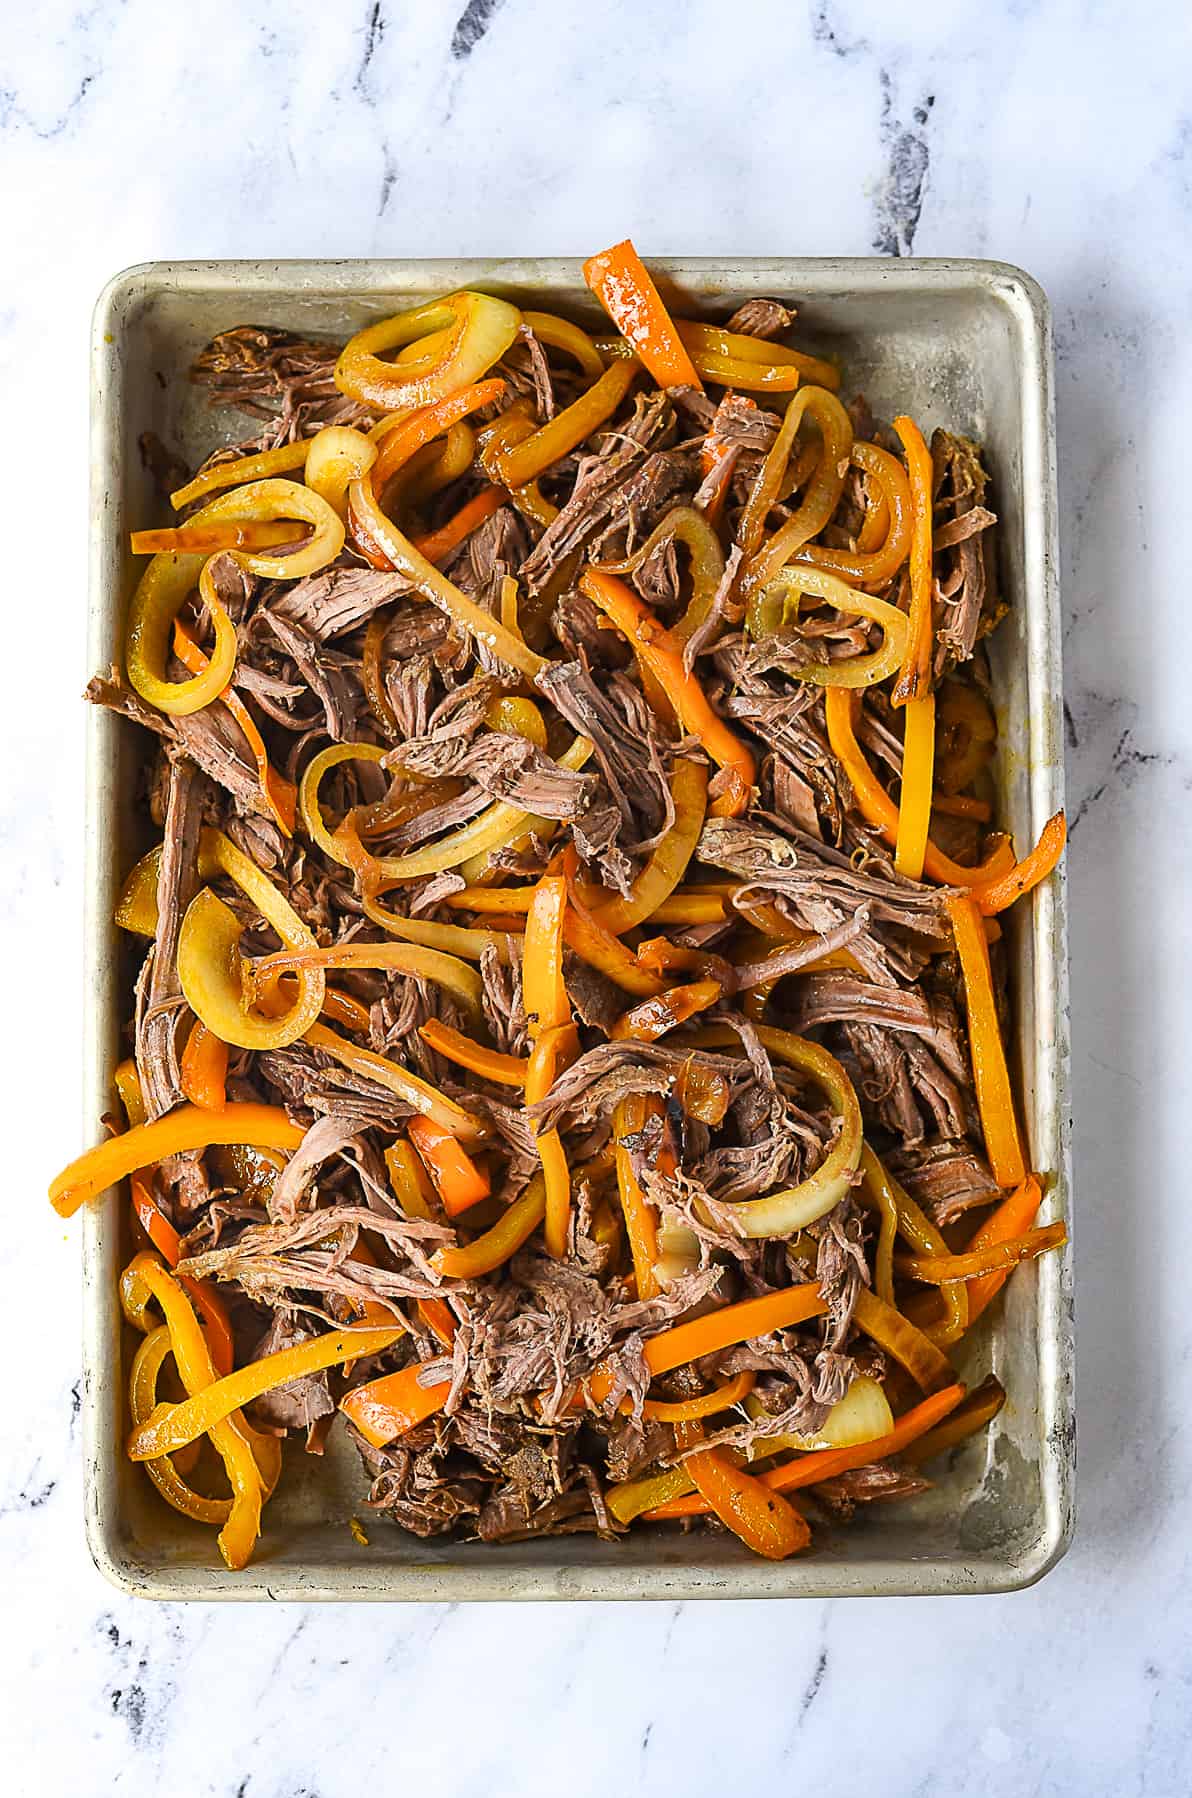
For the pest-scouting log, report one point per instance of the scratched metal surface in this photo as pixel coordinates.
(964, 344)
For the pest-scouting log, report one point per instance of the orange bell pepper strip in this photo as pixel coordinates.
(994, 1258)
(641, 1223)
(1014, 1215)
(424, 425)
(436, 546)
(544, 992)
(279, 794)
(501, 1243)
(385, 1408)
(459, 1183)
(914, 680)
(764, 1520)
(978, 1409)
(619, 280)
(439, 1320)
(204, 1068)
(654, 1017)
(219, 534)
(189, 1127)
(553, 1046)
(719, 1330)
(876, 805)
(171, 1427)
(826, 1463)
(914, 805)
(995, 895)
(505, 1070)
(991, 1077)
(656, 650)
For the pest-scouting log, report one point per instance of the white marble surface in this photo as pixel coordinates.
(1049, 133)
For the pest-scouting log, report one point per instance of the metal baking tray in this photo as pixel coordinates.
(957, 343)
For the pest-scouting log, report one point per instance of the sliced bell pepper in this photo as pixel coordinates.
(491, 1064)
(459, 1183)
(237, 470)
(478, 330)
(500, 1243)
(187, 1127)
(766, 1522)
(995, 1095)
(619, 280)
(914, 681)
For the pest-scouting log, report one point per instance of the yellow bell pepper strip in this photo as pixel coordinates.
(202, 1294)
(499, 1244)
(876, 805)
(514, 465)
(128, 1085)
(142, 1397)
(718, 1330)
(995, 895)
(819, 502)
(879, 564)
(914, 681)
(694, 530)
(171, 1427)
(657, 651)
(925, 1363)
(208, 539)
(707, 1405)
(337, 456)
(561, 334)
(619, 280)
(997, 1257)
(436, 546)
(491, 1064)
(459, 1183)
(879, 1194)
(162, 591)
(641, 1219)
(793, 1208)
(237, 470)
(169, 579)
(854, 671)
(479, 329)
(470, 617)
(995, 1096)
(333, 844)
(188, 1127)
(826, 1463)
(764, 1520)
(448, 971)
(668, 863)
(386, 1408)
(880, 1189)
(235, 1442)
(975, 1413)
(1014, 1215)
(422, 427)
(451, 939)
(204, 1068)
(711, 346)
(278, 793)
(425, 1099)
(635, 1498)
(214, 978)
(654, 1017)
(409, 1180)
(694, 906)
(914, 806)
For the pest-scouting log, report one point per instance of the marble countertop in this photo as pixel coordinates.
(1036, 131)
